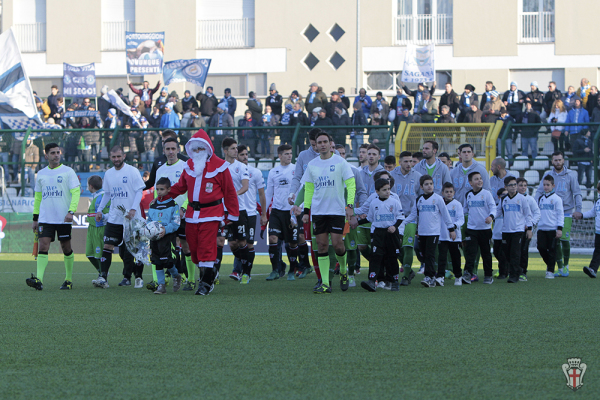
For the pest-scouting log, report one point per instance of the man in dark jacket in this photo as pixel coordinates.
(274, 100)
(399, 103)
(486, 96)
(513, 100)
(445, 116)
(323, 119)
(52, 100)
(536, 98)
(450, 99)
(357, 136)
(592, 100)
(345, 100)
(255, 106)
(583, 151)
(208, 103)
(340, 118)
(248, 137)
(467, 99)
(230, 101)
(473, 115)
(418, 94)
(550, 97)
(529, 136)
(333, 101)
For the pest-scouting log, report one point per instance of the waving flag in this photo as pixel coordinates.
(194, 71)
(419, 64)
(17, 105)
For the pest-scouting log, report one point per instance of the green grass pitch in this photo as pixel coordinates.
(277, 340)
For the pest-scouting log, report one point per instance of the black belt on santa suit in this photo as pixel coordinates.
(197, 206)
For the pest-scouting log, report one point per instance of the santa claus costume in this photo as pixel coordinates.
(207, 181)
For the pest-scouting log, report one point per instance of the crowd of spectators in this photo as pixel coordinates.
(156, 107)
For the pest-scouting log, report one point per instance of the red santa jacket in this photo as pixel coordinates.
(212, 190)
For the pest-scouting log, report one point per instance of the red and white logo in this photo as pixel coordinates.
(574, 371)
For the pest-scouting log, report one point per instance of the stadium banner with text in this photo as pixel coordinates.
(194, 71)
(419, 64)
(145, 52)
(79, 81)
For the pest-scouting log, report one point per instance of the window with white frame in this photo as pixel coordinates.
(224, 24)
(423, 22)
(118, 17)
(536, 21)
(29, 25)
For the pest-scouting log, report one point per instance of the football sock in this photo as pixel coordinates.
(95, 262)
(559, 256)
(160, 276)
(293, 257)
(105, 262)
(303, 255)
(243, 254)
(251, 255)
(351, 255)
(566, 249)
(220, 256)
(209, 275)
(324, 264)
(42, 263)
(174, 272)
(274, 255)
(138, 269)
(191, 268)
(69, 258)
(154, 274)
(342, 260)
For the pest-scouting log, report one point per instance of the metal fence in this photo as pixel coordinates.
(536, 27)
(423, 29)
(113, 34)
(31, 37)
(225, 33)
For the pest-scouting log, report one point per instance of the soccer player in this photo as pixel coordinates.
(552, 219)
(459, 175)
(167, 133)
(326, 178)
(406, 186)
(481, 208)
(362, 155)
(256, 183)
(172, 169)
(350, 239)
(448, 245)
(567, 187)
(389, 163)
(527, 235)
(385, 215)
(416, 158)
(445, 158)
(430, 214)
(123, 187)
(515, 211)
(56, 199)
(592, 269)
(95, 233)
(499, 172)
(433, 167)
(280, 223)
(237, 232)
(165, 211)
(497, 239)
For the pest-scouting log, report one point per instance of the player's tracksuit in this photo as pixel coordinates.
(478, 205)
(455, 210)
(515, 211)
(552, 218)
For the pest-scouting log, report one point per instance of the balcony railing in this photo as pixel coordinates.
(225, 33)
(31, 37)
(423, 29)
(113, 34)
(536, 27)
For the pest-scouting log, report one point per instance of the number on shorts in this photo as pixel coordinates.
(241, 229)
(251, 232)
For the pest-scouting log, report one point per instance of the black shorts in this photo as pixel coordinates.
(385, 243)
(113, 234)
(328, 224)
(162, 251)
(280, 225)
(63, 231)
(180, 233)
(251, 228)
(238, 230)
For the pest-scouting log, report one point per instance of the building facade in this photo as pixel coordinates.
(351, 43)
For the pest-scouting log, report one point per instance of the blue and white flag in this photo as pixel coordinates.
(17, 105)
(113, 98)
(194, 71)
(79, 81)
(145, 52)
(419, 64)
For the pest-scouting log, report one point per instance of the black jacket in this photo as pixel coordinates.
(514, 108)
(579, 148)
(592, 103)
(529, 118)
(323, 121)
(549, 99)
(207, 104)
(537, 100)
(484, 98)
(275, 101)
(451, 100)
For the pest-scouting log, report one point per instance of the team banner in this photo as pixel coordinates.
(145, 52)
(194, 71)
(81, 113)
(419, 64)
(79, 81)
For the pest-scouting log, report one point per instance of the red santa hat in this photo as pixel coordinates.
(214, 164)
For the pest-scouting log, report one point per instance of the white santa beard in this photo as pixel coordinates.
(199, 160)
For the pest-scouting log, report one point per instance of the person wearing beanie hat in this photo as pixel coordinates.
(221, 119)
(274, 100)
(163, 98)
(536, 97)
(315, 98)
(111, 121)
(468, 98)
(230, 101)
(492, 108)
(294, 98)
(170, 119)
(513, 100)
(382, 105)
